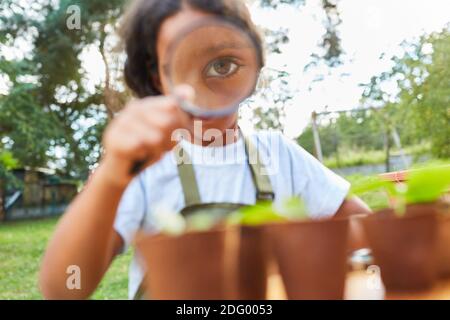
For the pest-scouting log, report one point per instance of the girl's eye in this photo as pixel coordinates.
(221, 68)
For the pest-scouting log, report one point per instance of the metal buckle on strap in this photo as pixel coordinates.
(265, 196)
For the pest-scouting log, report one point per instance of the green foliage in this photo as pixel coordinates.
(258, 214)
(372, 183)
(49, 99)
(351, 157)
(7, 160)
(427, 184)
(431, 99)
(423, 185)
(30, 128)
(201, 221)
(21, 247)
(375, 199)
(420, 110)
(266, 212)
(293, 209)
(346, 134)
(7, 163)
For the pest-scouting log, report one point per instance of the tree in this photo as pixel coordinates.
(425, 89)
(49, 115)
(269, 106)
(420, 107)
(49, 102)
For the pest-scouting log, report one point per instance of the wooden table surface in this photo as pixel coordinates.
(363, 285)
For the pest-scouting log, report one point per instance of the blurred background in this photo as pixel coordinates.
(364, 85)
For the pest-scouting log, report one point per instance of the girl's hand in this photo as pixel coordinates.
(143, 130)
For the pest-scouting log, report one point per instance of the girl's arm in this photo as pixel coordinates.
(354, 206)
(85, 239)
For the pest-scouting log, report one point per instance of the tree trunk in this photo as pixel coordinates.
(2, 202)
(387, 143)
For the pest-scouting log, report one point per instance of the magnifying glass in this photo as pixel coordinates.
(220, 61)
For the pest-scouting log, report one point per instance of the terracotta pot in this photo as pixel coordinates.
(442, 210)
(197, 265)
(444, 246)
(252, 270)
(404, 248)
(252, 253)
(311, 257)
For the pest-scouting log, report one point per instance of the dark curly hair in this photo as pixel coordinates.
(140, 29)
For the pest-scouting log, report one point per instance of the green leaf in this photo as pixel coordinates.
(372, 183)
(294, 209)
(427, 184)
(8, 161)
(201, 221)
(258, 214)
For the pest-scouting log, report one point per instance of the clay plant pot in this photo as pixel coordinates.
(193, 266)
(311, 257)
(442, 210)
(252, 269)
(404, 248)
(443, 250)
(252, 252)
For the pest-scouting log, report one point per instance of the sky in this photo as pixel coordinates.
(369, 28)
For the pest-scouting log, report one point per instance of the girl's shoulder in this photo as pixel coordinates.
(272, 141)
(265, 137)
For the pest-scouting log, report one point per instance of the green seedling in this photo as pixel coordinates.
(266, 212)
(201, 221)
(293, 209)
(258, 214)
(424, 185)
(372, 183)
(427, 184)
(175, 224)
(170, 223)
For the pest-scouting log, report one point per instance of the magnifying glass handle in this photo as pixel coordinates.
(138, 166)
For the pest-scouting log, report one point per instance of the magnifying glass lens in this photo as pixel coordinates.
(219, 62)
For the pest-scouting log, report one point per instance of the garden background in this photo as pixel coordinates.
(373, 105)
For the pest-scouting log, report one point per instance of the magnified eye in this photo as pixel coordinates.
(222, 68)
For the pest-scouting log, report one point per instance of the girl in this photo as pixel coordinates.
(102, 220)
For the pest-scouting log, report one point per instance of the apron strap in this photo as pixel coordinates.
(187, 177)
(264, 190)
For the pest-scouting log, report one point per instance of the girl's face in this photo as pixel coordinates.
(169, 30)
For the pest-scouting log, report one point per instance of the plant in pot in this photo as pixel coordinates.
(254, 253)
(404, 237)
(189, 258)
(311, 254)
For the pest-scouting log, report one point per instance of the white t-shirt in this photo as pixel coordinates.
(223, 175)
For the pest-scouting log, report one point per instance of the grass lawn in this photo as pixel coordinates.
(22, 245)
